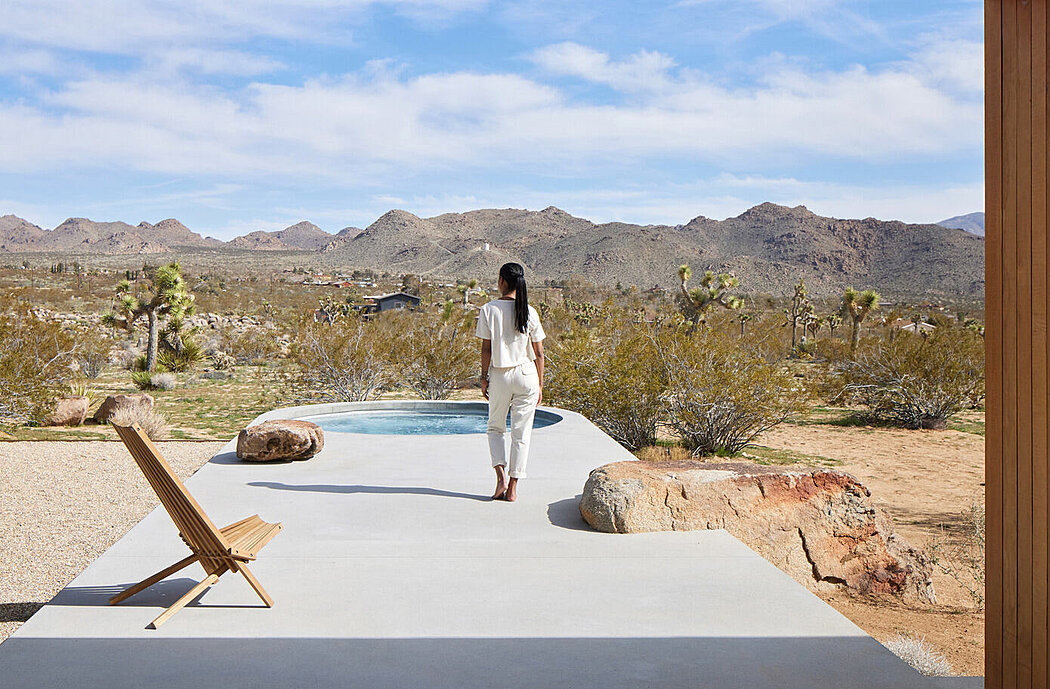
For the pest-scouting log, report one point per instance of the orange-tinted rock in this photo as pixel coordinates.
(817, 525)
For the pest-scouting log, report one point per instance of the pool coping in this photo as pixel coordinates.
(431, 406)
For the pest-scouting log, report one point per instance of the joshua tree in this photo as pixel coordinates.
(744, 318)
(800, 306)
(856, 306)
(330, 309)
(166, 296)
(697, 302)
(833, 320)
(812, 324)
(468, 289)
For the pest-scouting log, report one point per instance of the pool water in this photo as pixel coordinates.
(415, 422)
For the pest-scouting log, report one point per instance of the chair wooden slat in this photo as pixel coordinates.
(217, 550)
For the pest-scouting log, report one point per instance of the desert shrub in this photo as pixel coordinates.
(256, 345)
(182, 360)
(962, 557)
(915, 651)
(722, 391)
(916, 381)
(149, 419)
(36, 358)
(144, 380)
(611, 375)
(92, 353)
(435, 354)
(221, 361)
(663, 453)
(346, 361)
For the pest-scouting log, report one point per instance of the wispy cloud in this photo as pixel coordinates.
(642, 71)
(373, 124)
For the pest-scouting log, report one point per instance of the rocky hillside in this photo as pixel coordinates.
(300, 236)
(17, 234)
(769, 247)
(81, 234)
(971, 222)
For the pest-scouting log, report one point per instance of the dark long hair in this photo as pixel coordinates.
(514, 275)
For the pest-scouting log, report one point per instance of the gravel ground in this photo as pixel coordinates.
(62, 504)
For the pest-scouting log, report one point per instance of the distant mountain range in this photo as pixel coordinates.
(769, 247)
(971, 222)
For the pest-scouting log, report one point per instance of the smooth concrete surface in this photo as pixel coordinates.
(394, 569)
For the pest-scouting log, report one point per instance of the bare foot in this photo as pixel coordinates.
(501, 484)
(512, 491)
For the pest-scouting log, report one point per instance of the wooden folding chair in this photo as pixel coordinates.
(217, 550)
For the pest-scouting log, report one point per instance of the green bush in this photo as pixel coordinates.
(191, 355)
(434, 354)
(36, 358)
(346, 361)
(92, 353)
(612, 375)
(257, 345)
(144, 380)
(916, 381)
(221, 361)
(723, 390)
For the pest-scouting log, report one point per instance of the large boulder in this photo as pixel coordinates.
(105, 411)
(280, 439)
(817, 525)
(69, 411)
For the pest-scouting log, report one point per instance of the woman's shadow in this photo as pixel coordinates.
(373, 490)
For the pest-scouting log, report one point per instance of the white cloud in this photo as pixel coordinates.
(832, 19)
(950, 63)
(205, 61)
(645, 70)
(379, 124)
(135, 27)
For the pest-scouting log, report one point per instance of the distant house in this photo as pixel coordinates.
(910, 326)
(388, 302)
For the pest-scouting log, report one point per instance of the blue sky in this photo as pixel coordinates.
(246, 114)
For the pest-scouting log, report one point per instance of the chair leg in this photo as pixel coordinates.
(255, 584)
(181, 603)
(150, 581)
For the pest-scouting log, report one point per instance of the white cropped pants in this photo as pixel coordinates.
(516, 389)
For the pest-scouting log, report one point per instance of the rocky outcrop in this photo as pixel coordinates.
(69, 411)
(819, 526)
(105, 411)
(280, 439)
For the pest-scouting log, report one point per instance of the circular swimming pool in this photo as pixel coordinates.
(457, 421)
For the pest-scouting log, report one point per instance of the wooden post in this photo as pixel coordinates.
(1017, 300)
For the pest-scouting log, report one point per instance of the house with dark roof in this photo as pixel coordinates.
(388, 302)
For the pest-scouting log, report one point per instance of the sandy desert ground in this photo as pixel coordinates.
(925, 480)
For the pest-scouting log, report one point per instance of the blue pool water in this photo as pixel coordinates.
(416, 422)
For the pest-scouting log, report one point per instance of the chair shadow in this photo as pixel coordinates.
(566, 514)
(373, 490)
(160, 595)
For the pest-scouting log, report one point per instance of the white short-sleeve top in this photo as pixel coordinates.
(509, 347)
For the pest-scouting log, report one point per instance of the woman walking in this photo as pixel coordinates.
(511, 375)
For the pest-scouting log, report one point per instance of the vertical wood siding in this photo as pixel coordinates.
(1018, 301)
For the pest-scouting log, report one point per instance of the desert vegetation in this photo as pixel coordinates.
(705, 370)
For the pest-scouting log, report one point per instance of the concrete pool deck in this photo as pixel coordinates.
(395, 570)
